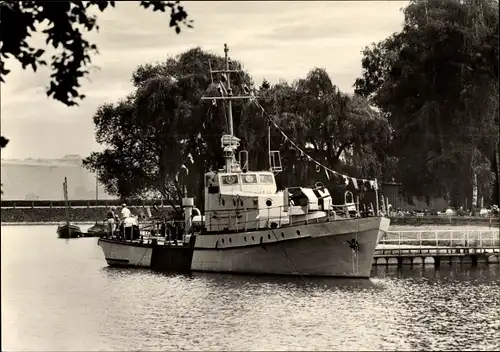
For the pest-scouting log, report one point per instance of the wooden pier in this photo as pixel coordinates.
(429, 247)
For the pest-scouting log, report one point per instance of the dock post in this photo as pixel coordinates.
(474, 260)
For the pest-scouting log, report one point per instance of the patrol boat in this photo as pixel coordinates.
(251, 227)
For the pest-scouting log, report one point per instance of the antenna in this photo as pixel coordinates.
(211, 74)
(229, 142)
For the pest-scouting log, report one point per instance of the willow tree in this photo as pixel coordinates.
(339, 130)
(437, 82)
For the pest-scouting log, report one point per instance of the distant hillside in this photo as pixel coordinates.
(33, 179)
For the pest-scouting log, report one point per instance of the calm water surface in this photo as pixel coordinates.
(59, 295)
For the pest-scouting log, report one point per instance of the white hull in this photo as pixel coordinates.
(119, 253)
(319, 249)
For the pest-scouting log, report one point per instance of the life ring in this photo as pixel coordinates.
(249, 178)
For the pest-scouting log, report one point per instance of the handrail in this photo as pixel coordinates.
(453, 238)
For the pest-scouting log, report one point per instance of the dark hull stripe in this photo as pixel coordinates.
(117, 261)
(249, 273)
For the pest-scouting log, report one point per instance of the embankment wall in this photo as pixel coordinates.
(92, 214)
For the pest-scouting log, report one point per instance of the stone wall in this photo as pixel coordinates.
(59, 214)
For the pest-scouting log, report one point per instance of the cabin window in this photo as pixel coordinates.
(229, 180)
(349, 198)
(265, 178)
(249, 178)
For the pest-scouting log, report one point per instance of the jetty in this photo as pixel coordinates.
(438, 247)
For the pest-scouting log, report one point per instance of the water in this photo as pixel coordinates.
(59, 295)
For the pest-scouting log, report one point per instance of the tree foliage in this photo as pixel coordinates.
(437, 82)
(67, 23)
(341, 131)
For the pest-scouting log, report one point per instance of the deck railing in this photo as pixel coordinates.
(242, 223)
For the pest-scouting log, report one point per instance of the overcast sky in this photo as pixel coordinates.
(275, 40)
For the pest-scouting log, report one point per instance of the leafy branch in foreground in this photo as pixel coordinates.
(68, 21)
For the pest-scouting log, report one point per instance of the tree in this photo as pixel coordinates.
(67, 23)
(437, 82)
(155, 131)
(339, 130)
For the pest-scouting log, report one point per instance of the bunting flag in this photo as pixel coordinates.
(355, 183)
(373, 183)
(189, 161)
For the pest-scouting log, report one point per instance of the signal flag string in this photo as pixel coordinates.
(319, 166)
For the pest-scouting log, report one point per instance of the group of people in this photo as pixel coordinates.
(125, 224)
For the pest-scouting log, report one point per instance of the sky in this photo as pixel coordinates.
(273, 40)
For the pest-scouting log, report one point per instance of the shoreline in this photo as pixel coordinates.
(392, 228)
(34, 223)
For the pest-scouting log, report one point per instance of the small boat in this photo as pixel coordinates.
(150, 249)
(69, 231)
(98, 230)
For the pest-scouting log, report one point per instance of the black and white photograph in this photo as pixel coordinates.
(250, 175)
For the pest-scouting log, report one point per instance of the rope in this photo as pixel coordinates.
(373, 183)
(290, 259)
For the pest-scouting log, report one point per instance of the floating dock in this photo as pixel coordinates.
(438, 247)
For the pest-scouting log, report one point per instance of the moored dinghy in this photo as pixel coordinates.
(68, 230)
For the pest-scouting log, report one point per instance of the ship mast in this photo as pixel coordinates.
(229, 142)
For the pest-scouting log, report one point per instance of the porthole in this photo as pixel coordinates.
(269, 235)
(283, 234)
(298, 232)
(222, 240)
(230, 241)
(223, 202)
(245, 238)
(253, 239)
(269, 202)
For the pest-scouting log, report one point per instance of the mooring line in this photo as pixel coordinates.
(290, 259)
